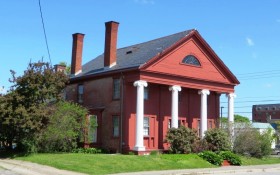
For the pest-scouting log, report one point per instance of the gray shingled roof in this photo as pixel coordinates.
(133, 56)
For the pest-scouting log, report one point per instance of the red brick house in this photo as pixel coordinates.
(137, 92)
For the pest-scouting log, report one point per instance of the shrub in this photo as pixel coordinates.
(181, 139)
(62, 129)
(231, 157)
(211, 157)
(87, 150)
(251, 142)
(217, 140)
(199, 146)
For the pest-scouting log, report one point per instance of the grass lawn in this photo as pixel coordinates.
(255, 161)
(106, 164)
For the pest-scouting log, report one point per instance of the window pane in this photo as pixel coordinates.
(192, 60)
(146, 130)
(93, 128)
(80, 93)
(116, 89)
(116, 126)
(146, 93)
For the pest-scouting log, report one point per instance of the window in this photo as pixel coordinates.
(210, 124)
(93, 128)
(179, 123)
(179, 96)
(198, 127)
(146, 93)
(116, 126)
(191, 60)
(169, 123)
(80, 93)
(116, 89)
(146, 130)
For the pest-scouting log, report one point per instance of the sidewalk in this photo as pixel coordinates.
(220, 170)
(17, 167)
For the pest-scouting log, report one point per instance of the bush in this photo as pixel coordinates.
(217, 140)
(231, 157)
(181, 139)
(251, 142)
(62, 129)
(199, 146)
(211, 157)
(87, 150)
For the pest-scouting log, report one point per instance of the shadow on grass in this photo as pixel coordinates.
(11, 154)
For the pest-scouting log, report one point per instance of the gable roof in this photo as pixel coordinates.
(133, 56)
(142, 55)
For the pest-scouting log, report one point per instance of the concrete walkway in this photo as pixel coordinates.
(17, 167)
(220, 170)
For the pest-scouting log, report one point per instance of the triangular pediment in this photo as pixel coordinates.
(191, 58)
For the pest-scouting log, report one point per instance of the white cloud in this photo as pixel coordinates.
(250, 42)
(145, 1)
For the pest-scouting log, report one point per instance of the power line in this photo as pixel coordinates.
(259, 77)
(259, 72)
(45, 32)
(243, 112)
(258, 97)
(253, 101)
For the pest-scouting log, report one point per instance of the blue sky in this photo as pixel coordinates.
(244, 34)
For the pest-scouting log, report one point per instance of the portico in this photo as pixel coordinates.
(201, 99)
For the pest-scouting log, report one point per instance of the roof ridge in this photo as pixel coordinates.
(187, 32)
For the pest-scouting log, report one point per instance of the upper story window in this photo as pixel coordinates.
(80, 93)
(116, 89)
(191, 60)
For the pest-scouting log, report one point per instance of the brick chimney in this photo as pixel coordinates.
(110, 50)
(59, 68)
(77, 50)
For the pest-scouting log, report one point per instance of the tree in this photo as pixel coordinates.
(240, 119)
(251, 142)
(64, 127)
(24, 109)
(237, 119)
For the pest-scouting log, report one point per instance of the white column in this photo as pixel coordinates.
(231, 97)
(174, 106)
(139, 144)
(203, 111)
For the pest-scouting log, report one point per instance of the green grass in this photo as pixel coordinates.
(106, 164)
(255, 161)
(117, 163)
